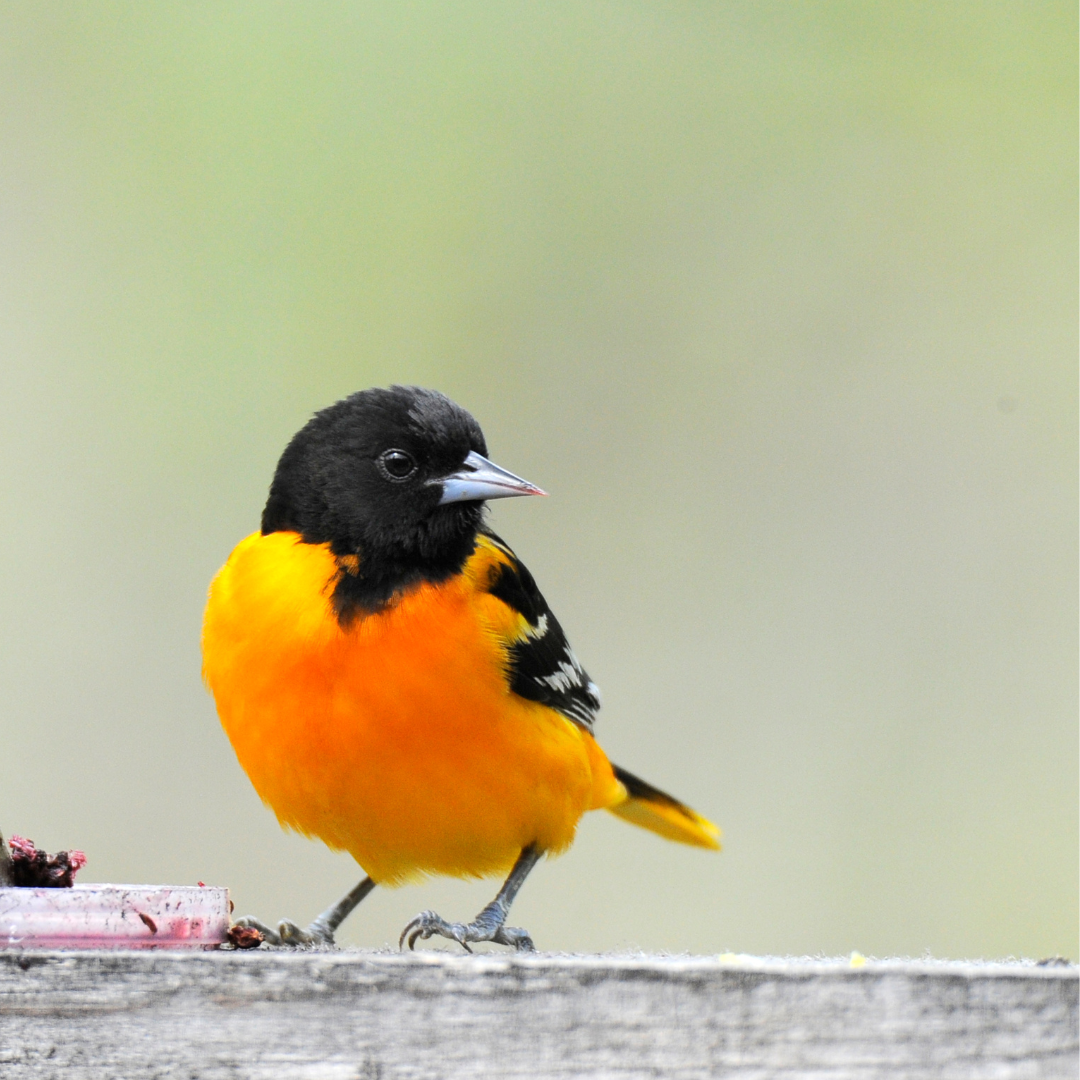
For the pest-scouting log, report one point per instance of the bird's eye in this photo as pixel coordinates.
(396, 464)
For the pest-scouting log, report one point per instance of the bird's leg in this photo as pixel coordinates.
(321, 930)
(489, 925)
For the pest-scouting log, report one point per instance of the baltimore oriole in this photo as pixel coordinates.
(391, 678)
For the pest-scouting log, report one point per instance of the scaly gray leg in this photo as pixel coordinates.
(321, 930)
(489, 925)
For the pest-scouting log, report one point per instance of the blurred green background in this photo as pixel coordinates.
(777, 299)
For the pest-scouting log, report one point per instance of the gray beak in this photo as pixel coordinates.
(480, 479)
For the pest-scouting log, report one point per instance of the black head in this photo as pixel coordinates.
(366, 476)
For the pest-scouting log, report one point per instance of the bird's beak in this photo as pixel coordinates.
(480, 479)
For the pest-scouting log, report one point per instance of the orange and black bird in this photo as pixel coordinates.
(391, 678)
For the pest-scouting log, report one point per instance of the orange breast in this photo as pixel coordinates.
(396, 739)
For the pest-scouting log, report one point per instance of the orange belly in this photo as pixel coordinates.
(396, 739)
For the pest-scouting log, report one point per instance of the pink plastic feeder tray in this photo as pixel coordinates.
(114, 917)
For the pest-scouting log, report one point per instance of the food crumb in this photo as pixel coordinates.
(245, 937)
(35, 869)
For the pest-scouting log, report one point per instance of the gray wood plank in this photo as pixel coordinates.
(356, 1015)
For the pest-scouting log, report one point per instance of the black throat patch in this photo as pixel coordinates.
(366, 586)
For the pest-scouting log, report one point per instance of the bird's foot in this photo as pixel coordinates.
(320, 932)
(487, 926)
(288, 933)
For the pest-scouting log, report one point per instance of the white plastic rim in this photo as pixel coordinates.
(114, 917)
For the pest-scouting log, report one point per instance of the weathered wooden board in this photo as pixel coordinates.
(361, 1016)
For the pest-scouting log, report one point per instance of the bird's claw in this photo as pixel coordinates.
(427, 924)
(514, 936)
(291, 934)
(288, 933)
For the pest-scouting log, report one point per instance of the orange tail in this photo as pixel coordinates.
(657, 811)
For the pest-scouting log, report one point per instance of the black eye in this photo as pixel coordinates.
(396, 464)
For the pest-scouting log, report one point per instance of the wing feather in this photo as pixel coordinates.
(543, 667)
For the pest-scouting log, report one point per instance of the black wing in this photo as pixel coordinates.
(543, 667)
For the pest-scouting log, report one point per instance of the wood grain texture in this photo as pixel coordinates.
(364, 1015)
